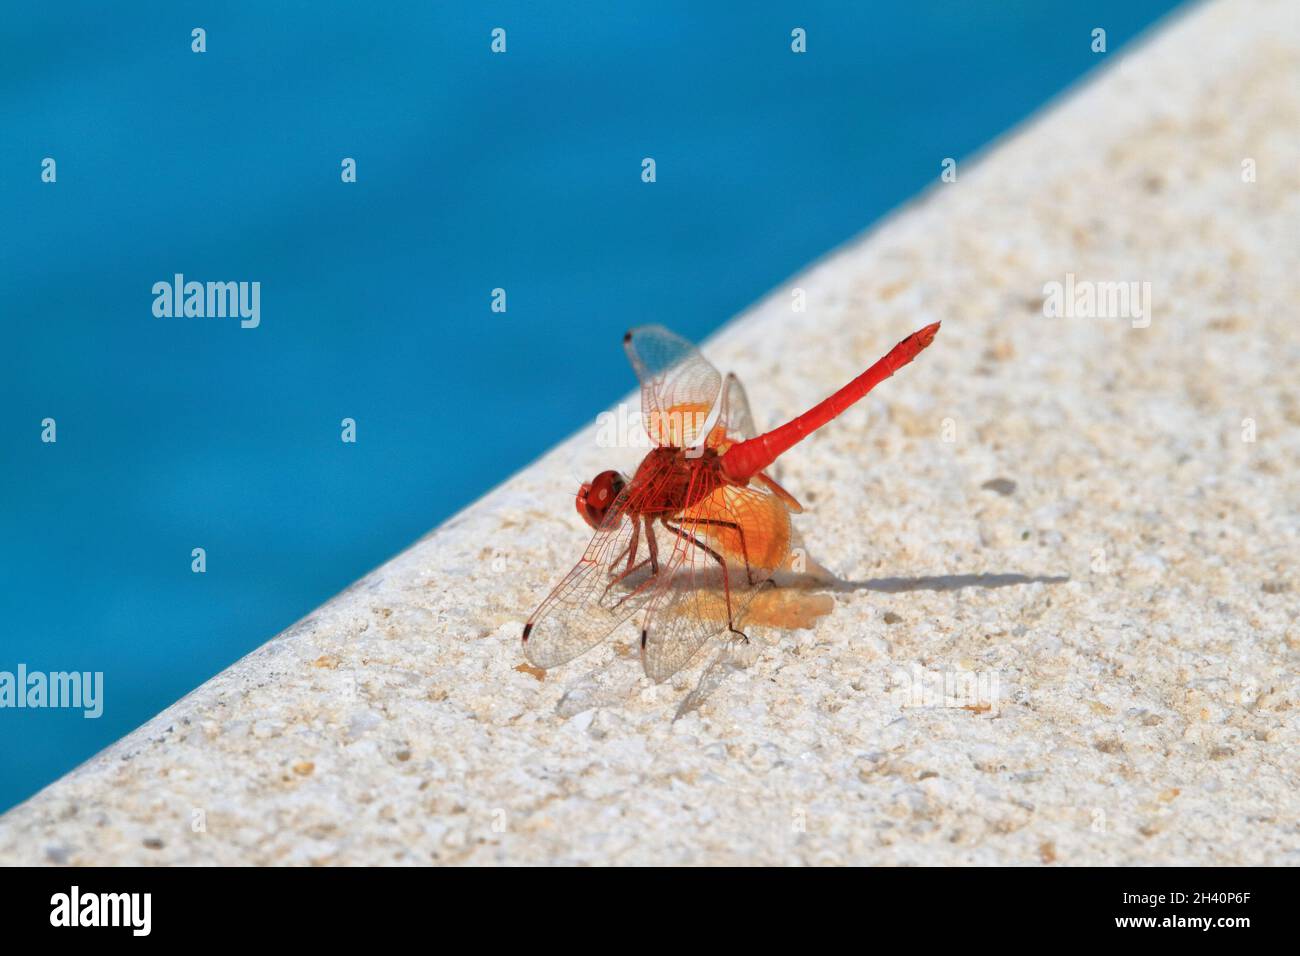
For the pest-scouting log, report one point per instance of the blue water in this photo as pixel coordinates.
(475, 171)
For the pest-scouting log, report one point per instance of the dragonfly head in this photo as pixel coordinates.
(596, 496)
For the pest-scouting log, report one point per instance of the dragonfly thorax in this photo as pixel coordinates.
(671, 479)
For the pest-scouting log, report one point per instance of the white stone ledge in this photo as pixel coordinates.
(1148, 711)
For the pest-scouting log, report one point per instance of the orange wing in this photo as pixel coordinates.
(679, 386)
(726, 550)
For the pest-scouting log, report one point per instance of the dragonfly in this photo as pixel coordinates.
(688, 540)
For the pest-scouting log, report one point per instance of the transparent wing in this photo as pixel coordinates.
(727, 548)
(608, 585)
(736, 418)
(679, 386)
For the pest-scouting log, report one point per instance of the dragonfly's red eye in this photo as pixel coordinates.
(596, 496)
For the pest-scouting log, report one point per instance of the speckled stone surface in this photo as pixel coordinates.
(1139, 695)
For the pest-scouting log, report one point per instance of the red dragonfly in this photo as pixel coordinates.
(701, 527)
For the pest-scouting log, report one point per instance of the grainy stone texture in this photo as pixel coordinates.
(1147, 705)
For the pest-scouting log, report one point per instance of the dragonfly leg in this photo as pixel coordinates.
(744, 548)
(726, 578)
(652, 560)
(619, 577)
(632, 545)
(630, 551)
(654, 545)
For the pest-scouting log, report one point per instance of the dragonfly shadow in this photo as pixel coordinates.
(823, 580)
(943, 582)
